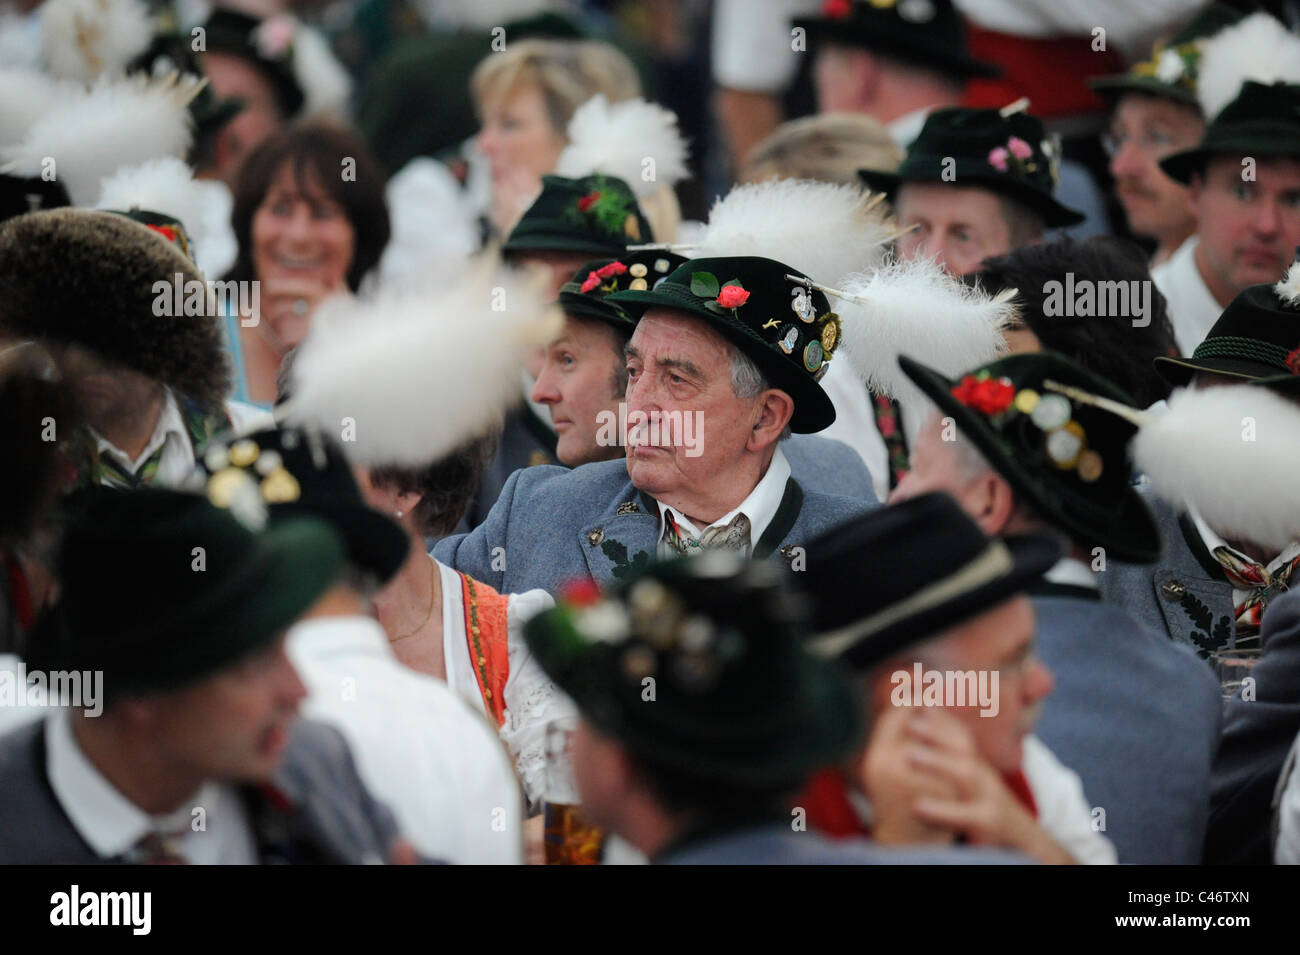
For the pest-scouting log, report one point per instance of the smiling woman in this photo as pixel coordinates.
(310, 219)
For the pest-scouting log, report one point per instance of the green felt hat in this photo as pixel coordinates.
(784, 327)
(1256, 337)
(1069, 459)
(928, 33)
(160, 588)
(1010, 155)
(588, 294)
(1263, 121)
(595, 214)
(1171, 70)
(737, 699)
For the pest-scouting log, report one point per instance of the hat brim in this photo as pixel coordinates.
(1179, 371)
(1031, 557)
(848, 33)
(573, 303)
(1259, 141)
(375, 543)
(1130, 534)
(813, 410)
(822, 730)
(1111, 88)
(521, 242)
(1053, 214)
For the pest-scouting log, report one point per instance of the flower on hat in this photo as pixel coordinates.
(614, 268)
(166, 231)
(998, 156)
(837, 9)
(1293, 362)
(1019, 148)
(991, 396)
(590, 282)
(274, 38)
(1169, 68)
(589, 200)
(581, 592)
(732, 296)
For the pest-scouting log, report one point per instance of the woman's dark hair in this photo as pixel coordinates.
(321, 150)
(446, 487)
(1119, 348)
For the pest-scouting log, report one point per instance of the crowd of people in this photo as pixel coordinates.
(683, 431)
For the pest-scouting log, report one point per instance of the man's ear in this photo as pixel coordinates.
(990, 501)
(775, 410)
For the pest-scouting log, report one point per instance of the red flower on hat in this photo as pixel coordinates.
(732, 296)
(1293, 361)
(838, 9)
(581, 592)
(589, 200)
(614, 268)
(166, 231)
(590, 282)
(988, 395)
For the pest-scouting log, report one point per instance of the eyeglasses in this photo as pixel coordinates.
(1150, 141)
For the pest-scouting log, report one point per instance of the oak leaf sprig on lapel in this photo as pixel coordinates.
(617, 554)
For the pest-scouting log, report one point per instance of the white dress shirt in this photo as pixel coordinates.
(112, 825)
(1213, 540)
(1192, 309)
(1072, 572)
(1063, 810)
(435, 763)
(760, 507)
(532, 700)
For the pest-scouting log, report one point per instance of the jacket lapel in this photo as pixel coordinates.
(1194, 597)
(621, 540)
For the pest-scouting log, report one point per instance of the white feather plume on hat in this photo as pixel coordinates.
(165, 185)
(325, 83)
(85, 39)
(617, 138)
(118, 123)
(26, 96)
(1198, 452)
(916, 308)
(1257, 48)
(1288, 290)
(824, 230)
(419, 374)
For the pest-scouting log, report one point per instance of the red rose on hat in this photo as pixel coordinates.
(732, 296)
(990, 396)
(166, 231)
(614, 268)
(581, 592)
(589, 200)
(1293, 362)
(590, 282)
(837, 9)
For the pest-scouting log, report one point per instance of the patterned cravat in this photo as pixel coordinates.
(160, 848)
(200, 427)
(732, 536)
(1260, 585)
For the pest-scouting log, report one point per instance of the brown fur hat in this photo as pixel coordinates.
(79, 277)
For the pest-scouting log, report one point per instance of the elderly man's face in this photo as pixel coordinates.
(1248, 229)
(958, 226)
(233, 725)
(999, 640)
(679, 382)
(581, 384)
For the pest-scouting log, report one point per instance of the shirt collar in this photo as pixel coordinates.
(109, 822)
(760, 506)
(1072, 572)
(169, 423)
(1213, 540)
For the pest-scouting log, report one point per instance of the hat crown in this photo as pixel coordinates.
(597, 214)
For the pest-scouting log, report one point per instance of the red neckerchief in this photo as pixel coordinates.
(826, 799)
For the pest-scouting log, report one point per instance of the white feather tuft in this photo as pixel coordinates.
(85, 39)
(617, 138)
(26, 96)
(826, 231)
(1258, 48)
(1195, 454)
(165, 185)
(1288, 290)
(420, 374)
(115, 124)
(918, 309)
(326, 85)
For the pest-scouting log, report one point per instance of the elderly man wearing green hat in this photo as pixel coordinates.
(702, 714)
(724, 360)
(196, 755)
(1014, 445)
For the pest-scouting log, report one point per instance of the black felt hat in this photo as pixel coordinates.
(22, 194)
(160, 589)
(1171, 70)
(1010, 155)
(941, 570)
(1263, 121)
(929, 33)
(1068, 459)
(1257, 336)
(296, 472)
(229, 31)
(596, 214)
(737, 699)
(588, 294)
(786, 329)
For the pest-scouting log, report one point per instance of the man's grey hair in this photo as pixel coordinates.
(748, 381)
